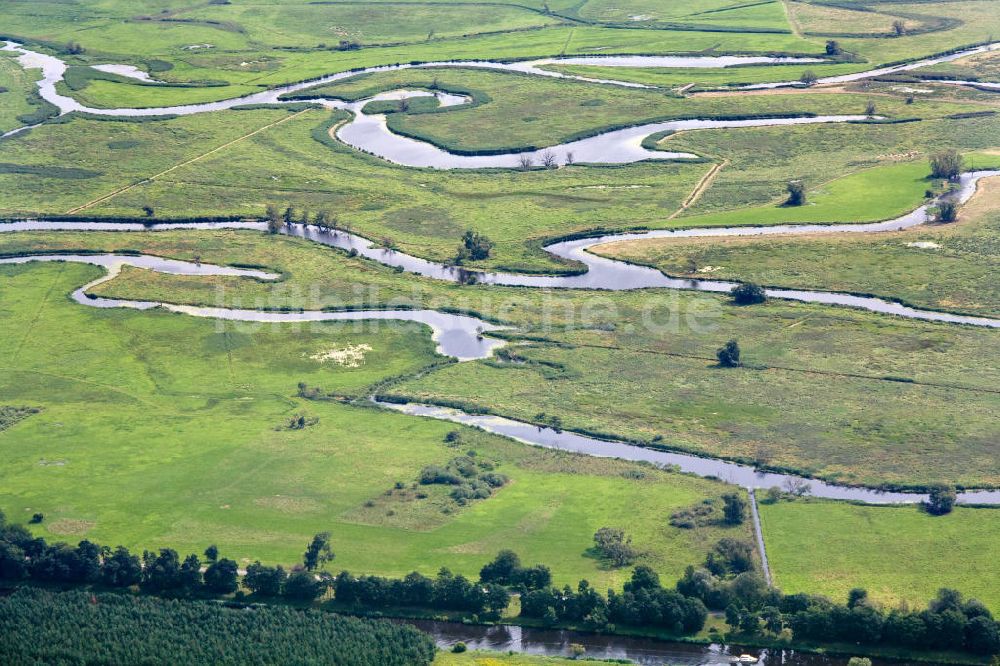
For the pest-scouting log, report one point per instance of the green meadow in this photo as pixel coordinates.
(899, 554)
(941, 266)
(152, 429)
(160, 430)
(639, 365)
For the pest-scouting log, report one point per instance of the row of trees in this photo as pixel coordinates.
(24, 556)
(446, 591)
(644, 602)
(753, 608)
(728, 581)
(277, 218)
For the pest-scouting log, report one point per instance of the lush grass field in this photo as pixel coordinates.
(947, 267)
(426, 211)
(762, 160)
(899, 554)
(535, 112)
(162, 430)
(16, 84)
(707, 78)
(297, 25)
(423, 211)
(651, 372)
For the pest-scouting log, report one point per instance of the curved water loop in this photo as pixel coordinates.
(371, 134)
(459, 336)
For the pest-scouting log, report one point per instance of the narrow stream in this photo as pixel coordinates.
(734, 473)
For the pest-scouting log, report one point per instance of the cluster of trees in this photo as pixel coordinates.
(277, 219)
(643, 602)
(940, 500)
(446, 591)
(45, 627)
(472, 478)
(753, 608)
(23, 556)
(947, 164)
(614, 545)
(506, 569)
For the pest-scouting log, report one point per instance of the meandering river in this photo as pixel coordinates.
(371, 134)
(461, 336)
(601, 272)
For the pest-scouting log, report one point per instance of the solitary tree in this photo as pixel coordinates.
(319, 552)
(940, 500)
(870, 109)
(808, 77)
(735, 508)
(274, 221)
(832, 47)
(947, 211)
(796, 193)
(475, 247)
(748, 293)
(549, 159)
(898, 28)
(212, 553)
(524, 162)
(615, 545)
(729, 355)
(222, 576)
(946, 164)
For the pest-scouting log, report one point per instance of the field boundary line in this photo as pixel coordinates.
(700, 187)
(152, 178)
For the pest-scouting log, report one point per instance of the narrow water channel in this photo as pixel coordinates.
(644, 651)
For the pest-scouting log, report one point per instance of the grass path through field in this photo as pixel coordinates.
(793, 21)
(702, 185)
(122, 190)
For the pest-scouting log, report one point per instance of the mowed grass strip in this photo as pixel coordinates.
(899, 554)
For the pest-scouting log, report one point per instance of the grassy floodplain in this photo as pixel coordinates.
(153, 429)
(803, 403)
(943, 266)
(896, 553)
(182, 422)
